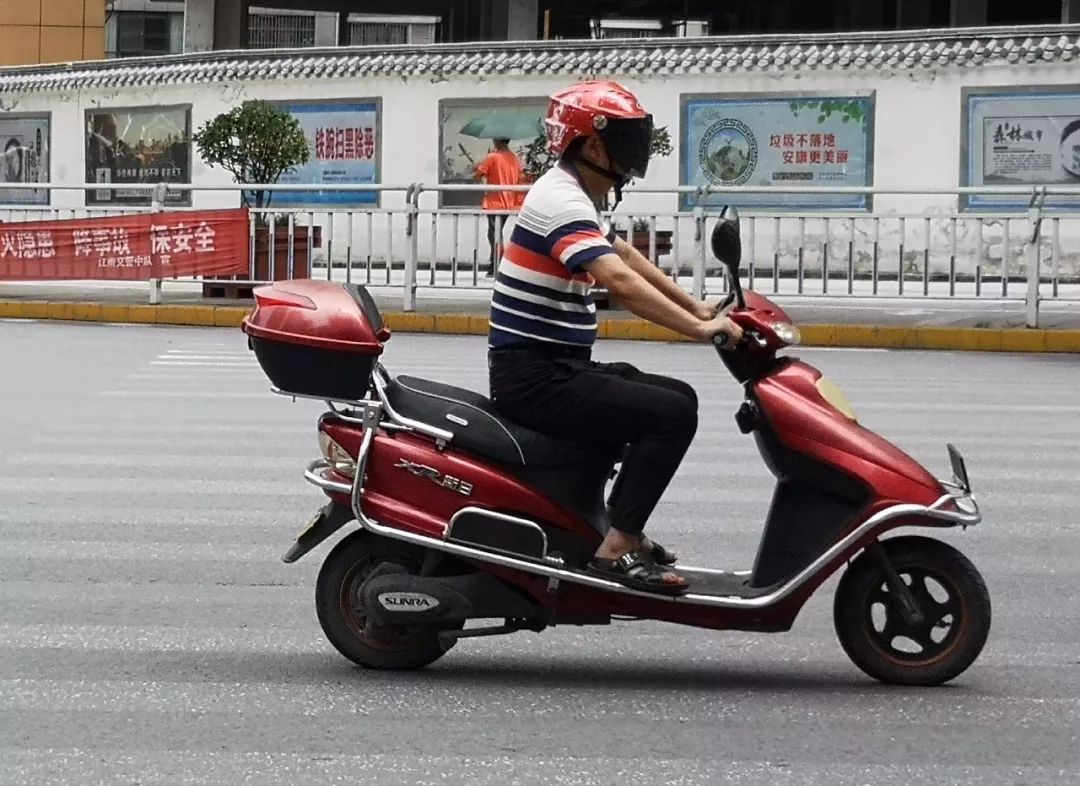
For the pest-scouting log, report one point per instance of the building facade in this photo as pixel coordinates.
(749, 120)
(51, 31)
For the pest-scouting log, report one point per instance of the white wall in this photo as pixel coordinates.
(916, 127)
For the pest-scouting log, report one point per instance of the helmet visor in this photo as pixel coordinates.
(627, 141)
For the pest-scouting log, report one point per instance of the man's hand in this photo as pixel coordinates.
(718, 325)
(705, 311)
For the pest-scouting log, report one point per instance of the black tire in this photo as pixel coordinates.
(341, 614)
(923, 659)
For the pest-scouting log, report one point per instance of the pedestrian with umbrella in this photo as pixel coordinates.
(501, 167)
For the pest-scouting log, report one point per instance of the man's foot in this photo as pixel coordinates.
(638, 571)
(624, 558)
(660, 555)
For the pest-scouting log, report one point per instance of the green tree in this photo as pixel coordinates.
(848, 109)
(257, 143)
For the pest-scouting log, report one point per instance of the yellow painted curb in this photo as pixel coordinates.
(879, 336)
(460, 324)
(1062, 341)
(230, 316)
(142, 314)
(409, 323)
(115, 312)
(635, 330)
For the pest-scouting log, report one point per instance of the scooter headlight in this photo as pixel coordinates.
(786, 332)
(339, 459)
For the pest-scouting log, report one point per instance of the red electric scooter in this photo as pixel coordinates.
(464, 515)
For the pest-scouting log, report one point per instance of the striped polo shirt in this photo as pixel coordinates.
(541, 293)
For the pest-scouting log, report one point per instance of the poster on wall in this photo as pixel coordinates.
(24, 141)
(467, 130)
(1020, 137)
(344, 143)
(140, 145)
(777, 141)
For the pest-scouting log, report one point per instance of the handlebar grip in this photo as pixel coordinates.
(720, 340)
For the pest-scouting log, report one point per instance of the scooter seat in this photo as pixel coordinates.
(478, 428)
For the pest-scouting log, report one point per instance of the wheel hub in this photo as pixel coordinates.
(923, 641)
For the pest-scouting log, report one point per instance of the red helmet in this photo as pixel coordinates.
(607, 110)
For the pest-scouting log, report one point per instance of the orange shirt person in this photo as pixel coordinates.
(501, 167)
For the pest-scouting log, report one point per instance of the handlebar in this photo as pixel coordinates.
(721, 340)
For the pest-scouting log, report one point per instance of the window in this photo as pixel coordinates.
(1031, 12)
(368, 33)
(145, 33)
(627, 28)
(280, 31)
(385, 30)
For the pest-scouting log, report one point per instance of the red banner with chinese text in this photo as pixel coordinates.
(127, 248)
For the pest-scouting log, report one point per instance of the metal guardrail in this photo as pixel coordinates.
(1031, 255)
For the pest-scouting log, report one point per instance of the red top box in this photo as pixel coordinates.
(316, 338)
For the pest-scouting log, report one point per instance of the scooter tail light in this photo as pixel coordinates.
(336, 456)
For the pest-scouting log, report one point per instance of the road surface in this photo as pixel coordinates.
(150, 634)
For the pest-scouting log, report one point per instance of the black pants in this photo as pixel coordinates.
(567, 395)
(492, 246)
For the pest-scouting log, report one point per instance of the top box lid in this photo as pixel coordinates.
(317, 314)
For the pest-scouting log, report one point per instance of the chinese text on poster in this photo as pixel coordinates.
(788, 141)
(1021, 137)
(344, 146)
(131, 247)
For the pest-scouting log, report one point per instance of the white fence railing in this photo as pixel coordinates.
(1029, 255)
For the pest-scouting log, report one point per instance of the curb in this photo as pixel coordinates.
(869, 336)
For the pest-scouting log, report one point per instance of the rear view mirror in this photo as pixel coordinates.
(726, 241)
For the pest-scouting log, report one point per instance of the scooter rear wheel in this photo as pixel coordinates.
(951, 594)
(341, 612)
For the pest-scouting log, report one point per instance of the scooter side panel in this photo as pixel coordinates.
(411, 484)
(806, 423)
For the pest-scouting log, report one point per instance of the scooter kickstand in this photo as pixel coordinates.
(909, 607)
(510, 626)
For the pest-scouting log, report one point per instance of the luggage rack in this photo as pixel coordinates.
(392, 420)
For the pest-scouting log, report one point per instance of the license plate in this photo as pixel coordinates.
(307, 528)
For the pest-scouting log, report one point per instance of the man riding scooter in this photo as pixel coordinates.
(543, 324)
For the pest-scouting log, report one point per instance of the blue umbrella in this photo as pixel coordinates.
(503, 126)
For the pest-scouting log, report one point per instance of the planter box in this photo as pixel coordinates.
(301, 262)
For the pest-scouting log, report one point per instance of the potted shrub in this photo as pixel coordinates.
(538, 160)
(257, 143)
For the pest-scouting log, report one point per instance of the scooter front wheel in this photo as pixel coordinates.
(341, 610)
(887, 646)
